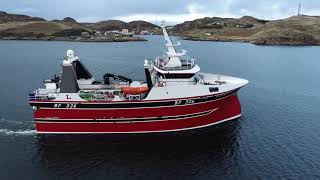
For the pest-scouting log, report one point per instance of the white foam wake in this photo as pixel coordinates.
(18, 132)
(13, 121)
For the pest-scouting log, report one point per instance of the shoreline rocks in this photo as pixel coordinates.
(75, 39)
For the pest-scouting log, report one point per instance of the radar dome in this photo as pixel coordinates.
(70, 53)
(135, 84)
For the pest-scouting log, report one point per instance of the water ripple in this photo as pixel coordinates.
(18, 132)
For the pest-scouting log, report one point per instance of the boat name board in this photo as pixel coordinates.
(65, 106)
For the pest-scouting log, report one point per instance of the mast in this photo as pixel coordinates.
(173, 56)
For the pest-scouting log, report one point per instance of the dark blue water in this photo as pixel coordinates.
(277, 137)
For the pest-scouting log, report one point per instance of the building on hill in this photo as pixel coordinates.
(125, 32)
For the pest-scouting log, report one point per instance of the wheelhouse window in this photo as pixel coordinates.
(176, 76)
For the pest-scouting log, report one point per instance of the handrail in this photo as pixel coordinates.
(176, 68)
(38, 97)
(187, 63)
(115, 87)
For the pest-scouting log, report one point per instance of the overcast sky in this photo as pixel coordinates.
(173, 11)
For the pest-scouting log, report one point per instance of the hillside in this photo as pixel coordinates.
(5, 18)
(22, 27)
(110, 25)
(297, 30)
(107, 25)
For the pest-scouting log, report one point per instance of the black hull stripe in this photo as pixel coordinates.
(110, 105)
(127, 120)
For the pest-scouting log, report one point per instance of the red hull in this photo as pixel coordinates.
(137, 120)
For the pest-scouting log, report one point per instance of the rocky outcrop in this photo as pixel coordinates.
(218, 23)
(5, 18)
(107, 25)
(110, 25)
(297, 30)
(286, 37)
(75, 30)
(140, 25)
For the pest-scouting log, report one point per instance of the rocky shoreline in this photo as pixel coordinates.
(76, 39)
(270, 42)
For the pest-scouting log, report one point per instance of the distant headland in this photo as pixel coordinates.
(22, 27)
(295, 30)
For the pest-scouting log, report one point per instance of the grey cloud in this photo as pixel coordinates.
(94, 10)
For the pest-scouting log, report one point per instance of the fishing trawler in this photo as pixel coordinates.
(176, 96)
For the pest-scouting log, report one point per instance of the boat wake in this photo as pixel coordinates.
(18, 132)
(13, 121)
(15, 127)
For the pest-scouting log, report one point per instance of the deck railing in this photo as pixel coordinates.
(36, 97)
(187, 63)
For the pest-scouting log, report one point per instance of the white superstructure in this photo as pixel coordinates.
(172, 75)
(176, 96)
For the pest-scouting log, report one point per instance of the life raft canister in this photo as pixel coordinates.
(134, 90)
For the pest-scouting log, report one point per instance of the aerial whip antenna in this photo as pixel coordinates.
(299, 9)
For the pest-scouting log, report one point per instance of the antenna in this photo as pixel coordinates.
(174, 60)
(163, 23)
(299, 9)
